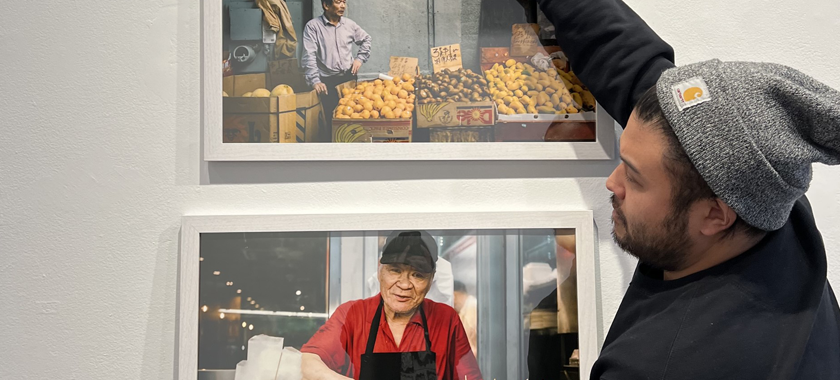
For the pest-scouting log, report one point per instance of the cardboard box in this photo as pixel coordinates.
(260, 120)
(371, 130)
(455, 114)
(349, 84)
(309, 116)
(546, 128)
(309, 113)
(460, 134)
(236, 85)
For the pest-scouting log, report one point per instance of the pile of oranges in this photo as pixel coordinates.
(379, 99)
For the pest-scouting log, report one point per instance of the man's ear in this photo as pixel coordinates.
(717, 216)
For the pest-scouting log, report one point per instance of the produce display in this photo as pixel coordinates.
(452, 86)
(279, 90)
(519, 88)
(379, 99)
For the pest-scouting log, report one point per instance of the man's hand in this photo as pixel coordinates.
(313, 368)
(357, 64)
(320, 88)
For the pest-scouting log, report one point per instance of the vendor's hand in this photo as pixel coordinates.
(320, 88)
(357, 64)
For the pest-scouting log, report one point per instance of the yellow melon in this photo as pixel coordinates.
(261, 93)
(282, 89)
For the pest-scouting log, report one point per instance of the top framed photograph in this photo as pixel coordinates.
(359, 80)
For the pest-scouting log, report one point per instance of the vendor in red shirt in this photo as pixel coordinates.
(397, 332)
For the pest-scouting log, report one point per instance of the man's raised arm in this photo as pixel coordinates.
(611, 49)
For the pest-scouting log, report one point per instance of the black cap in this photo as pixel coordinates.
(415, 248)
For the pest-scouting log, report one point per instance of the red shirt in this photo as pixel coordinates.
(343, 339)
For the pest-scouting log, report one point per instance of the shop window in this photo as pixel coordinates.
(259, 283)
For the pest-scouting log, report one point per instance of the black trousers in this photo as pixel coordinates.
(330, 100)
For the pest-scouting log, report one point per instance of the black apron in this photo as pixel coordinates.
(418, 365)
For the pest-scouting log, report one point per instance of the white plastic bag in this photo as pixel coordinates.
(541, 61)
(264, 359)
(290, 365)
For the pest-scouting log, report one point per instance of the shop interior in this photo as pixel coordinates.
(522, 283)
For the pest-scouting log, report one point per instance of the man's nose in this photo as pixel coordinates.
(404, 282)
(614, 185)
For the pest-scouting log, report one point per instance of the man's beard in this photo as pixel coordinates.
(664, 247)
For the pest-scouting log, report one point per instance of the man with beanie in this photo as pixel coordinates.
(709, 196)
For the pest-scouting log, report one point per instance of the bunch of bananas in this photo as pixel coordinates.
(379, 99)
(519, 88)
(349, 133)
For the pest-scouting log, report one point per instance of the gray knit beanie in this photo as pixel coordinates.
(752, 130)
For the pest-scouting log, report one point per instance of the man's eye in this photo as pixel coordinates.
(419, 276)
(627, 177)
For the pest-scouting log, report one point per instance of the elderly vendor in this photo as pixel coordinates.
(397, 333)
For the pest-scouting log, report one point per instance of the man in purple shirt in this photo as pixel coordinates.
(328, 52)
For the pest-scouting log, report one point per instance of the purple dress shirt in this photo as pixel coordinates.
(328, 50)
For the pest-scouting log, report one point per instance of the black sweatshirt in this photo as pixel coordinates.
(767, 314)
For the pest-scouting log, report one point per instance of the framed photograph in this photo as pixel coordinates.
(309, 80)
(255, 291)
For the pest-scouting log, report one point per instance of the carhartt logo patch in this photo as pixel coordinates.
(691, 93)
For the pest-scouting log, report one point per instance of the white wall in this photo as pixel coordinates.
(100, 157)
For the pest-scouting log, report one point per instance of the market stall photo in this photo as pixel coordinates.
(470, 71)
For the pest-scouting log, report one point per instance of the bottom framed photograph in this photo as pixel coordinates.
(507, 295)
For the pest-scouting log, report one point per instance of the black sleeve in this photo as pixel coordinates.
(611, 49)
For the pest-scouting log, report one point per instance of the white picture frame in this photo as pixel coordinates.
(193, 226)
(603, 148)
